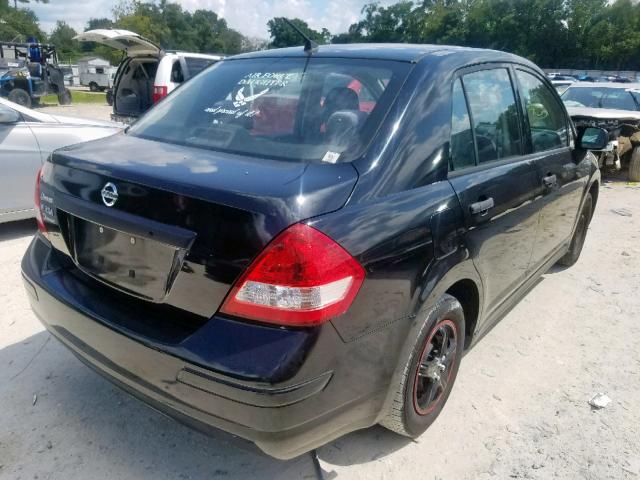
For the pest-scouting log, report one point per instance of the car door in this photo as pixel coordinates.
(560, 180)
(494, 182)
(19, 162)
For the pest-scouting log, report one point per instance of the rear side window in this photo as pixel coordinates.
(495, 115)
(196, 65)
(546, 116)
(463, 152)
(176, 72)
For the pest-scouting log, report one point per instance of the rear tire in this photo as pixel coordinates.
(430, 370)
(93, 86)
(580, 234)
(634, 165)
(20, 96)
(64, 98)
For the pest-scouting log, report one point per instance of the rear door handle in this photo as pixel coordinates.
(482, 207)
(549, 181)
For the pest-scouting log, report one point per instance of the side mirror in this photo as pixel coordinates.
(8, 116)
(592, 138)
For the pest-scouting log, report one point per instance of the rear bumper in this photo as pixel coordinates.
(284, 419)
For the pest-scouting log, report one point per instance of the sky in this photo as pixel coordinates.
(249, 17)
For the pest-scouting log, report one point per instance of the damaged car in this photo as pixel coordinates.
(616, 108)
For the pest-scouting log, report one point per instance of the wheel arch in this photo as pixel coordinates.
(461, 280)
(467, 293)
(594, 190)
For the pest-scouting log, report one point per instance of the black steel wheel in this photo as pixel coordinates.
(435, 367)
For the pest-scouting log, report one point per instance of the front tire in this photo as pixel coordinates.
(430, 370)
(580, 234)
(64, 98)
(93, 86)
(634, 165)
(20, 96)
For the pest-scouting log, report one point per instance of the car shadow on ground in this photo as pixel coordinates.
(82, 412)
(21, 228)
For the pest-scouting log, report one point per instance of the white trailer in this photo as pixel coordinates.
(95, 73)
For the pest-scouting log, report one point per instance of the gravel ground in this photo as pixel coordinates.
(519, 408)
(86, 110)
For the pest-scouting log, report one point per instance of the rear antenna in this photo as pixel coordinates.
(309, 45)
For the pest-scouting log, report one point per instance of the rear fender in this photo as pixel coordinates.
(443, 274)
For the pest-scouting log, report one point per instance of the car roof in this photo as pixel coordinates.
(404, 52)
(211, 56)
(626, 86)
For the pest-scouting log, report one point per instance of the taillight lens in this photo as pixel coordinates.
(302, 278)
(159, 92)
(37, 199)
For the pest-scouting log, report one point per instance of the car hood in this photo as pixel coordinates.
(602, 113)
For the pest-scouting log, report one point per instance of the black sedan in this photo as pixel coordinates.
(300, 243)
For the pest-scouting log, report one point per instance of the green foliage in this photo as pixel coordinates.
(168, 25)
(282, 35)
(553, 33)
(18, 24)
(62, 37)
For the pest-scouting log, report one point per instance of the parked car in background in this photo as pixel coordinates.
(561, 85)
(300, 243)
(148, 73)
(616, 108)
(27, 137)
(561, 77)
(614, 79)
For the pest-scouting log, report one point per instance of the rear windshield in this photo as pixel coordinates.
(600, 97)
(298, 109)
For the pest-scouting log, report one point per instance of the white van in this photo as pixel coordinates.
(148, 73)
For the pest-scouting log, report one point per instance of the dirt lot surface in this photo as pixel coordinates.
(90, 111)
(518, 410)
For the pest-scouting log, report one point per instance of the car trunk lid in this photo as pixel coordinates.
(130, 42)
(184, 222)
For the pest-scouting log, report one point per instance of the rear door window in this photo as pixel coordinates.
(494, 111)
(546, 116)
(463, 152)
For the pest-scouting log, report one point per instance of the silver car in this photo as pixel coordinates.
(27, 137)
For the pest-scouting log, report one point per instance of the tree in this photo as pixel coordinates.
(96, 23)
(62, 37)
(282, 35)
(18, 25)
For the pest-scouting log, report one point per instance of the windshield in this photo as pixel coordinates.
(299, 109)
(600, 97)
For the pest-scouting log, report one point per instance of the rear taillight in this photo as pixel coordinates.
(37, 199)
(302, 278)
(159, 92)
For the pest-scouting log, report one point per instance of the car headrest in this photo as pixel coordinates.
(342, 126)
(340, 98)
